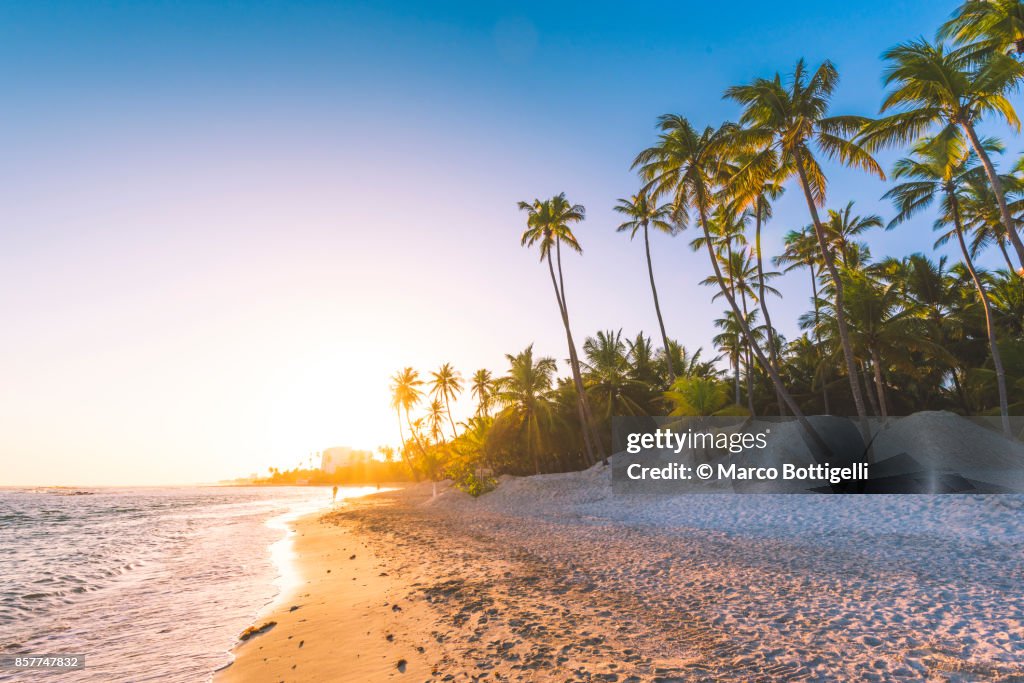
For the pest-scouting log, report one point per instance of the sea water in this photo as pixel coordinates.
(150, 584)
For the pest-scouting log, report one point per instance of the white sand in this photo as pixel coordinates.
(794, 587)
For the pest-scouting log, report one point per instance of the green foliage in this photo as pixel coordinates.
(914, 333)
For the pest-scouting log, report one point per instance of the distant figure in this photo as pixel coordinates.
(334, 494)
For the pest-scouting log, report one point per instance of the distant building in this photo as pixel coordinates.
(342, 456)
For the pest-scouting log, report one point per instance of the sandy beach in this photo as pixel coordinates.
(556, 578)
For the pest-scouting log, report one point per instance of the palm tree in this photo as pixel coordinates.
(644, 213)
(802, 251)
(435, 420)
(881, 327)
(730, 343)
(687, 164)
(740, 275)
(784, 122)
(938, 168)
(482, 388)
(405, 395)
(980, 213)
(843, 226)
(446, 385)
(549, 225)
(988, 26)
(608, 374)
(697, 397)
(950, 88)
(526, 394)
(759, 200)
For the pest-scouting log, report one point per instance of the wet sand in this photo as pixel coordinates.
(554, 582)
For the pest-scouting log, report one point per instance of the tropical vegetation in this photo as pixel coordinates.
(883, 336)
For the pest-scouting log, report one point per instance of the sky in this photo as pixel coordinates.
(226, 225)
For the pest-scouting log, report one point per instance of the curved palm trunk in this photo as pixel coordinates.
(657, 309)
(588, 426)
(401, 434)
(776, 380)
(997, 189)
(576, 378)
(416, 438)
(997, 361)
(773, 352)
(449, 410)
(844, 332)
(1006, 256)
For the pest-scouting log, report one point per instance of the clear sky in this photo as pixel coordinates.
(225, 225)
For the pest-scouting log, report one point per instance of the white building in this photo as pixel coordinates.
(342, 456)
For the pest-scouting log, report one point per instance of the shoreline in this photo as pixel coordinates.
(332, 621)
(555, 577)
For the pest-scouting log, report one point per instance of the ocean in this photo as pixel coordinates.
(150, 584)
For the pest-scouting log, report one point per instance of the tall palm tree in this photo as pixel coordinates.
(784, 122)
(548, 224)
(980, 213)
(741, 274)
(405, 395)
(730, 342)
(435, 420)
(446, 385)
(482, 388)
(526, 393)
(802, 252)
(643, 213)
(881, 327)
(938, 168)
(988, 26)
(758, 200)
(934, 86)
(687, 164)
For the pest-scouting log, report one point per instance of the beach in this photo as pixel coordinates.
(554, 577)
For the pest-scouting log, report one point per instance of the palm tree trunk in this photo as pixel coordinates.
(736, 371)
(773, 352)
(449, 410)
(879, 385)
(748, 361)
(997, 361)
(401, 432)
(823, 448)
(844, 332)
(577, 380)
(866, 375)
(574, 361)
(657, 309)
(416, 438)
(401, 435)
(997, 189)
(1006, 256)
(817, 339)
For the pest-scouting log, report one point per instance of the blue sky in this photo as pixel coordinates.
(226, 224)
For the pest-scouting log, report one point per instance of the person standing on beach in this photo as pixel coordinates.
(334, 494)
